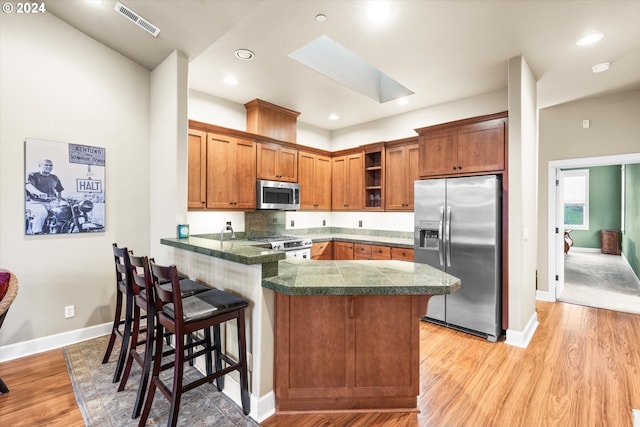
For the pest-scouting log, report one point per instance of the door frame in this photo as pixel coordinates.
(555, 250)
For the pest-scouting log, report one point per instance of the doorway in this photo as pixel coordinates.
(556, 255)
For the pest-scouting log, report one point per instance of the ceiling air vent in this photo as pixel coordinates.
(137, 19)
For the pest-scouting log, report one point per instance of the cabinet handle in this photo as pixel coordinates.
(459, 167)
(351, 307)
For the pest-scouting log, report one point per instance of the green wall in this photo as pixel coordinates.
(631, 236)
(605, 203)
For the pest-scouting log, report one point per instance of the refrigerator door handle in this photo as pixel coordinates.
(441, 237)
(448, 236)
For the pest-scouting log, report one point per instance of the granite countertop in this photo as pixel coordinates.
(310, 277)
(241, 251)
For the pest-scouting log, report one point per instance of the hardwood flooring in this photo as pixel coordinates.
(582, 368)
(40, 392)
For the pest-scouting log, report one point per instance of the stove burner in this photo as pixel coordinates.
(284, 243)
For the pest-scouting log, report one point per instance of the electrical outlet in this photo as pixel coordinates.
(324, 222)
(69, 311)
(359, 223)
(250, 362)
(292, 222)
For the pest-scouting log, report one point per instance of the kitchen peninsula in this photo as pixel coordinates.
(340, 334)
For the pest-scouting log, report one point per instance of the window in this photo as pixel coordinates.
(576, 199)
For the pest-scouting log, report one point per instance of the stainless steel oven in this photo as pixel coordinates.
(293, 247)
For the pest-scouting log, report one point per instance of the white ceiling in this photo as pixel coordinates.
(441, 50)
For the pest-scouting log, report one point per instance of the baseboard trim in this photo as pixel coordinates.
(51, 342)
(545, 296)
(523, 338)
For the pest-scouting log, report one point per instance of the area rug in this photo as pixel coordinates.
(103, 406)
(600, 280)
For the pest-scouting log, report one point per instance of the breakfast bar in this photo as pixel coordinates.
(322, 335)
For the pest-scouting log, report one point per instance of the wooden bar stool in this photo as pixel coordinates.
(144, 300)
(184, 316)
(121, 328)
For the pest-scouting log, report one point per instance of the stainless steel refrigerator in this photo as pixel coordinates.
(458, 230)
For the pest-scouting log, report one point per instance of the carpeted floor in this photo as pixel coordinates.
(103, 406)
(600, 280)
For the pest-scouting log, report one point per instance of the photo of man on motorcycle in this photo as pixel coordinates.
(42, 188)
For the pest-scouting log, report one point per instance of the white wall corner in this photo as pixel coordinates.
(523, 338)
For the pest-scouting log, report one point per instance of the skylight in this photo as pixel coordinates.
(336, 62)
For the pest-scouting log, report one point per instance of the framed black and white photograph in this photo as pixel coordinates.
(64, 188)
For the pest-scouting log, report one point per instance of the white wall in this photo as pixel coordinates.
(58, 84)
(614, 129)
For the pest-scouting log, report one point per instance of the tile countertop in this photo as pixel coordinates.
(309, 277)
(241, 251)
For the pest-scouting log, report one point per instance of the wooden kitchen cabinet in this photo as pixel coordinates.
(402, 254)
(401, 172)
(374, 177)
(197, 175)
(333, 352)
(322, 251)
(314, 177)
(362, 251)
(231, 172)
(469, 146)
(347, 185)
(342, 250)
(610, 242)
(276, 163)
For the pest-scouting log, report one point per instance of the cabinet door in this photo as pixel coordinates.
(438, 153)
(322, 251)
(380, 252)
(197, 170)
(361, 251)
(220, 171)
(275, 163)
(413, 174)
(355, 181)
(342, 250)
(481, 147)
(323, 183)
(306, 179)
(382, 340)
(338, 185)
(244, 190)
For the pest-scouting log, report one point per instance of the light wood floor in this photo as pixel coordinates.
(582, 368)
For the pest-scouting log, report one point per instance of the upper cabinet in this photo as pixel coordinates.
(270, 120)
(314, 177)
(347, 182)
(277, 163)
(401, 170)
(197, 189)
(222, 171)
(374, 177)
(471, 146)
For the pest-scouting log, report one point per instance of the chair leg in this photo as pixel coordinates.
(154, 376)
(134, 341)
(242, 355)
(218, 349)
(146, 365)
(115, 328)
(126, 338)
(3, 387)
(178, 371)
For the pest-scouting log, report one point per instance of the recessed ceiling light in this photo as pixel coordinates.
(590, 39)
(402, 101)
(321, 17)
(231, 81)
(378, 11)
(598, 68)
(333, 117)
(244, 54)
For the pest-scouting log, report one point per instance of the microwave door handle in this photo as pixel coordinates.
(441, 237)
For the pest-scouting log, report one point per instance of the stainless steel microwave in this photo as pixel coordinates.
(277, 195)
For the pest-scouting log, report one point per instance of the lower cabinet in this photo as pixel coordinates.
(322, 251)
(342, 250)
(402, 254)
(347, 352)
